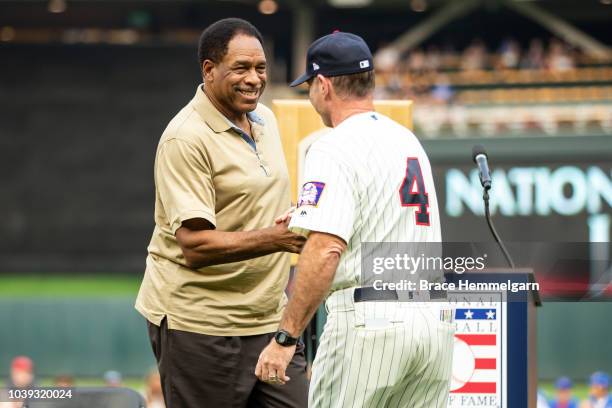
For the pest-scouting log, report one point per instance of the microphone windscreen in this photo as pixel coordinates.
(476, 150)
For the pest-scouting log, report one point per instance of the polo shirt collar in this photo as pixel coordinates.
(255, 118)
(215, 119)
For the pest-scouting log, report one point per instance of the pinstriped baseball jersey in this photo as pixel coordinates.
(367, 180)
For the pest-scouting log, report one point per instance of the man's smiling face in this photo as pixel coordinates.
(237, 81)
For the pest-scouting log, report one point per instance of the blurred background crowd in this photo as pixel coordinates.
(22, 376)
(564, 395)
(549, 86)
(427, 75)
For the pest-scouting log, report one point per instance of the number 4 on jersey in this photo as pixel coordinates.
(413, 192)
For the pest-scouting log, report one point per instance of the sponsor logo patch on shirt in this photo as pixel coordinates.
(311, 193)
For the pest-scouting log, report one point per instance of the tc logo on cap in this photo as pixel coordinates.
(315, 66)
(364, 64)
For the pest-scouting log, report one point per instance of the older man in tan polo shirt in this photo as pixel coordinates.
(218, 264)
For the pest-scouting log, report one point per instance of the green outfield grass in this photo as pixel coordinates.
(68, 286)
(136, 383)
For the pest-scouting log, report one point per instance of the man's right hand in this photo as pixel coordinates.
(287, 240)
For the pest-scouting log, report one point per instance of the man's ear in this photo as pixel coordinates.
(325, 85)
(208, 70)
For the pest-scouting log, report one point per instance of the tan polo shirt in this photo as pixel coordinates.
(204, 168)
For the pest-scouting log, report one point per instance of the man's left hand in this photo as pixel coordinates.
(273, 362)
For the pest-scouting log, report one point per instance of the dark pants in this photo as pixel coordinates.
(201, 371)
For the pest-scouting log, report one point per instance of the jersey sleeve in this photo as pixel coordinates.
(327, 199)
(184, 181)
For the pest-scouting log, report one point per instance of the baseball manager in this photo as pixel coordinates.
(366, 180)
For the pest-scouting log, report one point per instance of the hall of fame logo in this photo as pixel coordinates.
(478, 360)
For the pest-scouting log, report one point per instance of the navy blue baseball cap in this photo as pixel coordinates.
(336, 54)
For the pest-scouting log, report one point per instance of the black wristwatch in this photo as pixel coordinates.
(284, 339)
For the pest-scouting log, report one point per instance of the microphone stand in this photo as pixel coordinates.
(485, 197)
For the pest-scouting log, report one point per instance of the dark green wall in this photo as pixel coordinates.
(536, 150)
(574, 339)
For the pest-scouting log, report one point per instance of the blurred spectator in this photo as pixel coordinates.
(509, 54)
(153, 391)
(386, 59)
(387, 63)
(599, 392)
(541, 402)
(22, 373)
(447, 56)
(474, 56)
(433, 58)
(563, 397)
(113, 379)
(417, 61)
(442, 93)
(558, 58)
(534, 58)
(63, 381)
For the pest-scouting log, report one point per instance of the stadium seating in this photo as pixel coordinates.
(452, 101)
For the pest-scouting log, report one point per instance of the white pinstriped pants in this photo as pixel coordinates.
(382, 354)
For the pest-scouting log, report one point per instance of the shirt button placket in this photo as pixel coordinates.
(262, 162)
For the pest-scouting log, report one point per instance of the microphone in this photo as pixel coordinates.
(479, 155)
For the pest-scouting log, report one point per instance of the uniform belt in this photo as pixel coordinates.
(368, 294)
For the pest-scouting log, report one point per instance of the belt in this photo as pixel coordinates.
(367, 294)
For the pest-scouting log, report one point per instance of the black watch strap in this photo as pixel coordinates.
(284, 339)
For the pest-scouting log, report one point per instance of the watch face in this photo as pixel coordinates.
(284, 339)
